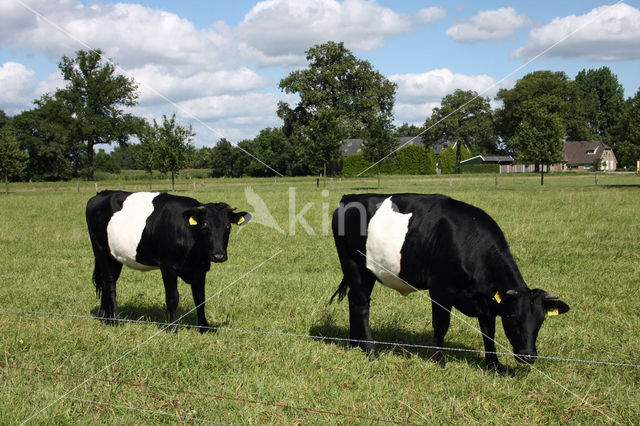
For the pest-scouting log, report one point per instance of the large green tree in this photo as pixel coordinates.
(13, 159)
(554, 92)
(463, 117)
(339, 94)
(629, 149)
(604, 97)
(44, 132)
(539, 138)
(96, 97)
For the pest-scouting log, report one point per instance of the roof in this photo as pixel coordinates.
(583, 152)
(489, 159)
(354, 146)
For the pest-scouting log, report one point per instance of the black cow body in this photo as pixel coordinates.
(149, 230)
(456, 251)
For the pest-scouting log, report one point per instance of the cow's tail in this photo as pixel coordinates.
(341, 291)
(97, 279)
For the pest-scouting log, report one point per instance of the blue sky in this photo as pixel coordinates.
(217, 64)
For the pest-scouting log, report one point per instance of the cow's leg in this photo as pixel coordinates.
(197, 289)
(107, 271)
(170, 279)
(361, 285)
(488, 329)
(441, 317)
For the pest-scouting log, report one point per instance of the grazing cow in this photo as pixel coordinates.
(456, 251)
(150, 230)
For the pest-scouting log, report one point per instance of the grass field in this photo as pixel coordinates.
(571, 237)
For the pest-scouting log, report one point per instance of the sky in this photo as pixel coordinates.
(217, 64)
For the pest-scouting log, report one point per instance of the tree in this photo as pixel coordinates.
(123, 156)
(95, 97)
(604, 97)
(105, 163)
(223, 157)
(339, 94)
(379, 141)
(272, 147)
(4, 119)
(629, 150)
(447, 159)
(325, 133)
(172, 143)
(554, 92)
(146, 152)
(44, 133)
(406, 130)
(465, 118)
(539, 137)
(13, 159)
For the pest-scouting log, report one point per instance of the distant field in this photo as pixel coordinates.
(570, 237)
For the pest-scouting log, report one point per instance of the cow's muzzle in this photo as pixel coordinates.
(218, 257)
(526, 358)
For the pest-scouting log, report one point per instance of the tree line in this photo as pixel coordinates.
(340, 97)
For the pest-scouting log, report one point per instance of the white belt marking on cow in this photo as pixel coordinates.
(386, 233)
(124, 230)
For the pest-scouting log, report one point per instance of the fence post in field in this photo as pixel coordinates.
(596, 179)
(450, 182)
(194, 184)
(496, 181)
(96, 187)
(78, 187)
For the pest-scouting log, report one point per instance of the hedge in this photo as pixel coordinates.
(355, 163)
(410, 160)
(479, 168)
(447, 159)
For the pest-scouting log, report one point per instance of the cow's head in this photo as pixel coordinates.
(523, 312)
(212, 225)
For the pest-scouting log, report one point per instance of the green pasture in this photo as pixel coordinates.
(571, 237)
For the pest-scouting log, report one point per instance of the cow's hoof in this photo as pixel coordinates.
(439, 358)
(496, 367)
(372, 353)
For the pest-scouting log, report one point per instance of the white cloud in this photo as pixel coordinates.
(18, 86)
(497, 24)
(153, 80)
(607, 33)
(279, 31)
(435, 84)
(430, 14)
(234, 117)
(418, 94)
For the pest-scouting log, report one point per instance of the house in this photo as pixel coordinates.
(489, 159)
(582, 155)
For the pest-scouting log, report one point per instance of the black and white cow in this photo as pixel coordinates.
(151, 230)
(456, 251)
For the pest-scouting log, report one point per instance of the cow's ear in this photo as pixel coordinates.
(239, 218)
(555, 307)
(193, 217)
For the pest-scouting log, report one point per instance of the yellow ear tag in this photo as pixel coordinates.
(192, 221)
(497, 297)
(553, 312)
(240, 221)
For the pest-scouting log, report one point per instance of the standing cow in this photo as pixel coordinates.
(150, 230)
(456, 251)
